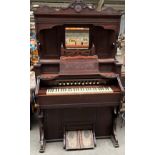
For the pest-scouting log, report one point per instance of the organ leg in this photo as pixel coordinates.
(113, 136)
(41, 128)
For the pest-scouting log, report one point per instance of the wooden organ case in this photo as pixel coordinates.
(78, 78)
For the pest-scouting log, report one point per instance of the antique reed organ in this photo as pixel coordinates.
(78, 77)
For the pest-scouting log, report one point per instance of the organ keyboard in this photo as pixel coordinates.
(78, 90)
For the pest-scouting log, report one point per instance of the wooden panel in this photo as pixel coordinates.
(77, 101)
(103, 41)
(106, 67)
(104, 121)
(50, 68)
(50, 42)
(56, 121)
(52, 124)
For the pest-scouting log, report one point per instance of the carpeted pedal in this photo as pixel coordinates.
(82, 139)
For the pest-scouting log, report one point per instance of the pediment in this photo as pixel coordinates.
(75, 8)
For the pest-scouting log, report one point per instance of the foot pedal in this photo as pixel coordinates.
(81, 139)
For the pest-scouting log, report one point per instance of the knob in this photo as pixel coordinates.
(94, 83)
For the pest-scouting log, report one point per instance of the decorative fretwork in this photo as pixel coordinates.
(75, 52)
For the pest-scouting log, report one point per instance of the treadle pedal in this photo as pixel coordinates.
(81, 139)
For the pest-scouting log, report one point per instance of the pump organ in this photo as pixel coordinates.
(78, 79)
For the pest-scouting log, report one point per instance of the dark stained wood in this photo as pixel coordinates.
(98, 112)
(79, 65)
(123, 79)
(50, 23)
(103, 41)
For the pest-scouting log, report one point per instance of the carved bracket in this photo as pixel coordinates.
(41, 128)
(113, 136)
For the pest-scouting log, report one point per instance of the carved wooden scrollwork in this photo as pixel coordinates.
(79, 5)
(76, 52)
